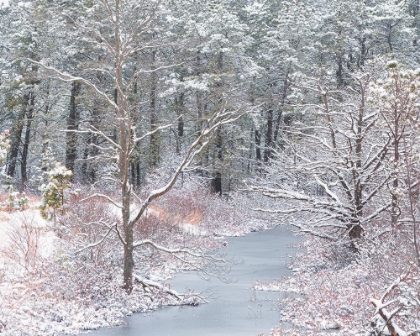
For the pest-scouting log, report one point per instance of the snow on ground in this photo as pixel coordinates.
(14, 231)
(50, 285)
(331, 288)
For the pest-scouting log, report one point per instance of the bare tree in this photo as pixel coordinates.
(397, 99)
(333, 167)
(121, 29)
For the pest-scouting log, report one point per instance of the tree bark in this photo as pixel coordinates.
(154, 138)
(16, 138)
(93, 142)
(180, 109)
(72, 126)
(339, 72)
(258, 145)
(269, 136)
(25, 149)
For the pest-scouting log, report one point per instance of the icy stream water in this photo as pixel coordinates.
(234, 309)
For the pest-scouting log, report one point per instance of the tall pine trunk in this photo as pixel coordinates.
(16, 138)
(269, 136)
(72, 126)
(25, 149)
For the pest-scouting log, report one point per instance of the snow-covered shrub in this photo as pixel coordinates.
(88, 221)
(15, 202)
(4, 148)
(23, 249)
(396, 303)
(331, 293)
(194, 204)
(4, 145)
(53, 191)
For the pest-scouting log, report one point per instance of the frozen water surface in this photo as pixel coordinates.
(234, 309)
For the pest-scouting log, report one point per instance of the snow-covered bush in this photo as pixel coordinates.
(14, 202)
(328, 292)
(398, 301)
(87, 222)
(22, 252)
(4, 148)
(53, 191)
(4, 145)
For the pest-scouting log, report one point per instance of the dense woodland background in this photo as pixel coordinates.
(313, 104)
(236, 54)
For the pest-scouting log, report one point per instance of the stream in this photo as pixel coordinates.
(234, 309)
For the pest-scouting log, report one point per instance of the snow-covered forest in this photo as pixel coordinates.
(137, 134)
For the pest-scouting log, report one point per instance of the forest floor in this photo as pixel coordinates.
(50, 283)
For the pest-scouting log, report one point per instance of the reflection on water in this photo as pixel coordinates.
(234, 309)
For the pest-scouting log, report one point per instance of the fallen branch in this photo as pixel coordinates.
(193, 299)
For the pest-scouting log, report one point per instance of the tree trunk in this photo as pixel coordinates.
(258, 145)
(72, 126)
(16, 138)
(180, 108)
(398, 135)
(269, 136)
(363, 52)
(138, 174)
(128, 258)
(133, 170)
(45, 135)
(25, 150)
(93, 143)
(277, 127)
(355, 231)
(286, 85)
(339, 72)
(389, 37)
(154, 138)
(217, 184)
(84, 168)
